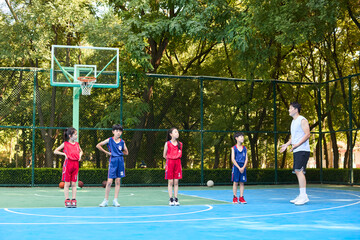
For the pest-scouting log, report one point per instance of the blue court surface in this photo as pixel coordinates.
(330, 214)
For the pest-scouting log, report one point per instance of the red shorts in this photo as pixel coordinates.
(70, 170)
(173, 169)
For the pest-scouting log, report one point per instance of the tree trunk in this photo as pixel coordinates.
(283, 159)
(326, 153)
(218, 148)
(317, 154)
(97, 152)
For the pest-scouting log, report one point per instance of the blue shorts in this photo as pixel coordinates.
(237, 176)
(116, 167)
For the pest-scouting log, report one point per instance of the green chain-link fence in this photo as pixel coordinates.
(206, 110)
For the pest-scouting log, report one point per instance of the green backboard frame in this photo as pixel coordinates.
(70, 62)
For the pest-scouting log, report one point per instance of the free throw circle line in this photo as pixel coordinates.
(182, 220)
(209, 207)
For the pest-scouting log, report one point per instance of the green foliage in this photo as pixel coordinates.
(148, 176)
(302, 41)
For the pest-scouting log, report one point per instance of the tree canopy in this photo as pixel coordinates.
(307, 41)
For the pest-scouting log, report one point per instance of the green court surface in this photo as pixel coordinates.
(92, 196)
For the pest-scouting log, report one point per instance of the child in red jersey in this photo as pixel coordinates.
(173, 171)
(72, 153)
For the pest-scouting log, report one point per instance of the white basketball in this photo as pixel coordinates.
(210, 183)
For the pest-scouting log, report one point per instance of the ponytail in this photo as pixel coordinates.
(68, 132)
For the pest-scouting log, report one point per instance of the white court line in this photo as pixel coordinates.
(202, 197)
(62, 216)
(183, 220)
(186, 220)
(39, 195)
(195, 219)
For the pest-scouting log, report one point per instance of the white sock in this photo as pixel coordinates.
(302, 191)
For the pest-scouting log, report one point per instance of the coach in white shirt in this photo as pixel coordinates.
(299, 140)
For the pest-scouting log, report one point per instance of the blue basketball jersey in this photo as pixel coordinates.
(240, 156)
(116, 148)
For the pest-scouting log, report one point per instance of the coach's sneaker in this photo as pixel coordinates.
(242, 200)
(73, 203)
(171, 202)
(302, 200)
(115, 203)
(68, 203)
(294, 200)
(235, 200)
(104, 203)
(176, 202)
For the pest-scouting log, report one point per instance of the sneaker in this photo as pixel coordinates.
(302, 200)
(68, 203)
(171, 202)
(235, 200)
(177, 202)
(242, 200)
(294, 200)
(115, 203)
(104, 203)
(73, 203)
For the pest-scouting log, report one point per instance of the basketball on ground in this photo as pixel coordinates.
(104, 184)
(80, 184)
(61, 185)
(210, 183)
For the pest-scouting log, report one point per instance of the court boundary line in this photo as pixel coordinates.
(97, 217)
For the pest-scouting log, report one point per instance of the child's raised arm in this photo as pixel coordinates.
(100, 144)
(57, 150)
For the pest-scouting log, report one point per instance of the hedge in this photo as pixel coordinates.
(148, 176)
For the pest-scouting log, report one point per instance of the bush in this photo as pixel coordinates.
(151, 176)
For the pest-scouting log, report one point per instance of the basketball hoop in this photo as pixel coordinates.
(86, 84)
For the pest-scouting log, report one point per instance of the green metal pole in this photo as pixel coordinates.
(33, 133)
(350, 134)
(76, 107)
(320, 134)
(275, 131)
(121, 99)
(202, 128)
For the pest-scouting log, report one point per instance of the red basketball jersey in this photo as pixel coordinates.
(173, 152)
(72, 151)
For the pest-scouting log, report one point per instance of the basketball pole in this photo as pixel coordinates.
(76, 107)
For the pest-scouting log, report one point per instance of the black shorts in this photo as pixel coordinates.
(300, 160)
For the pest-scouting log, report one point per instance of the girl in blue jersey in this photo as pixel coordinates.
(239, 158)
(117, 149)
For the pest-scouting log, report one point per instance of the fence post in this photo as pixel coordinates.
(33, 133)
(350, 135)
(320, 134)
(275, 131)
(202, 127)
(121, 99)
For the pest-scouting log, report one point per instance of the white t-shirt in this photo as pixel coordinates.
(297, 133)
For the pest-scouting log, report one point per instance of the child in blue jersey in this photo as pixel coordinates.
(239, 158)
(117, 149)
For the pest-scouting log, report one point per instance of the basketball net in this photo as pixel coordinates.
(86, 84)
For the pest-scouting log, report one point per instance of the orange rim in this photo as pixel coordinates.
(87, 79)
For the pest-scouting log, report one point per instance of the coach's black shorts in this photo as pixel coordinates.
(300, 160)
